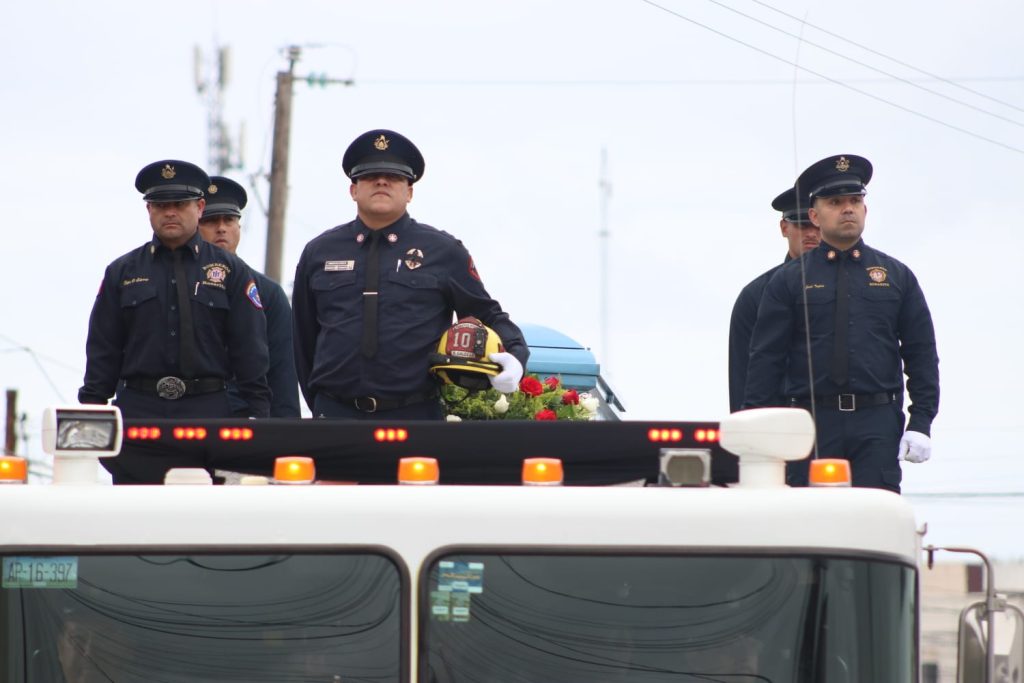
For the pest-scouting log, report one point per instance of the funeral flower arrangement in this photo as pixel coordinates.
(535, 400)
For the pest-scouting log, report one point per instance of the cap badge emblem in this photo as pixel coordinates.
(167, 172)
(842, 164)
(212, 189)
(381, 143)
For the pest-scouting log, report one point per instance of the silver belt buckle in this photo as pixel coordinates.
(371, 409)
(847, 406)
(170, 388)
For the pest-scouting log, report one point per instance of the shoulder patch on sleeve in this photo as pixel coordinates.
(472, 269)
(253, 293)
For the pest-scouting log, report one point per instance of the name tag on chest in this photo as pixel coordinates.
(334, 266)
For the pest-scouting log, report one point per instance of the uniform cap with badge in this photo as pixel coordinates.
(462, 355)
(224, 197)
(383, 151)
(792, 210)
(842, 174)
(171, 180)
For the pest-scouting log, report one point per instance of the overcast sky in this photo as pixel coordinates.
(705, 109)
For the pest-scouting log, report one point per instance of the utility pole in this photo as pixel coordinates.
(223, 155)
(9, 432)
(279, 157)
(279, 166)
(605, 187)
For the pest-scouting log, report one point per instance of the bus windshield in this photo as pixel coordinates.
(658, 618)
(170, 618)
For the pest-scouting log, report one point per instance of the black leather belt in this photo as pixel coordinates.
(373, 404)
(173, 388)
(847, 403)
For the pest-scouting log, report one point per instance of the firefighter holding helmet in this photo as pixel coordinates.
(372, 298)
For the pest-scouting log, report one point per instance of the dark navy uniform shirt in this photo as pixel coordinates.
(890, 332)
(284, 385)
(134, 327)
(741, 327)
(425, 275)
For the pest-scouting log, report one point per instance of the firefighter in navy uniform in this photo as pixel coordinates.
(174, 319)
(220, 224)
(372, 297)
(802, 236)
(869, 325)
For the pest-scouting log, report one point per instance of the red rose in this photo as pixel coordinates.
(552, 383)
(531, 386)
(570, 397)
(545, 414)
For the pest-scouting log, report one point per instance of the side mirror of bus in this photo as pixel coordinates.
(973, 644)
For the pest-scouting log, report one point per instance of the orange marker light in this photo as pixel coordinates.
(143, 433)
(399, 434)
(294, 469)
(830, 472)
(418, 470)
(665, 435)
(542, 472)
(13, 470)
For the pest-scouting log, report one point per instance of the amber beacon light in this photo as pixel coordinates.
(830, 472)
(418, 470)
(294, 469)
(542, 472)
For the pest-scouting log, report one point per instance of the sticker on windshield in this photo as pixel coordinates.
(460, 577)
(440, 605)
(40, 572)
(450, 606)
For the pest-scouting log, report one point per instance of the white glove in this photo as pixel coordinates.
(915, 447)
(507, 380)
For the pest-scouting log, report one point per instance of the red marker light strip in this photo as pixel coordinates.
(190, 433)
(706, 435)
(665, 435)
(382, 434)
(142, 433)
(235, 434)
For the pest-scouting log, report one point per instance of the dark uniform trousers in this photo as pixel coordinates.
(868, 437)
(327, 406)
(141, 404)
(141, 463)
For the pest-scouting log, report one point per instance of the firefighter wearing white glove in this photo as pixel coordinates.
(507, 380)
(915, 447)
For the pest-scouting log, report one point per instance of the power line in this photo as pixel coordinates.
(660, 82)
(838, 82)
(952, 82)
(868, 66)
(35, 359)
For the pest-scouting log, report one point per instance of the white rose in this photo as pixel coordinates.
(501, 405)
(453, 418)
(589, 403)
